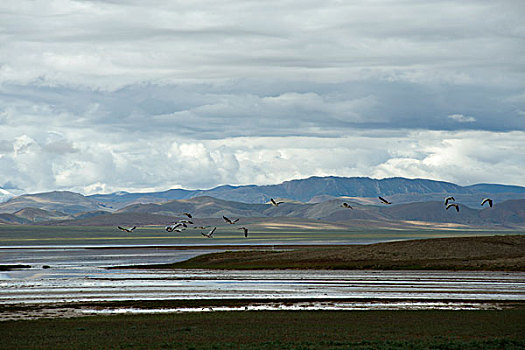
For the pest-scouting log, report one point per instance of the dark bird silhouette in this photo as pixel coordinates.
(384, 200)
(245, 230)
(229, 221)
(131, 229)
(201, 227)
(274, 203)
(188, 215)
(485, 200)
(209, 234)
(175, 225)
(450, 198)
(453, 205)
(346, 205)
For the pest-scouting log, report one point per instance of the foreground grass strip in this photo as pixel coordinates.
(275, 330)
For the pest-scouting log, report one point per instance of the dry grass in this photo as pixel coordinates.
(466, 253)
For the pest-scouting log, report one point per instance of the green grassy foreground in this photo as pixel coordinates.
(275, 330)
(504, 253)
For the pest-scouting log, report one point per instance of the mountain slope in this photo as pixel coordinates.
(317, 189)
(506, 213)
(63, 201)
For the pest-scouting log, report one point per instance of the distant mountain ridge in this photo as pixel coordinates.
(316, 198)
(305, 190)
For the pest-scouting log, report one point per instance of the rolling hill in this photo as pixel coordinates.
(319, 189)
(316, 198)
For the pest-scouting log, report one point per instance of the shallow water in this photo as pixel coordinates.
(79, 275)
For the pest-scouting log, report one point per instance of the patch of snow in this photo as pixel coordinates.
(5, 195)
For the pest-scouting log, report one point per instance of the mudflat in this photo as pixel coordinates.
(489, 253)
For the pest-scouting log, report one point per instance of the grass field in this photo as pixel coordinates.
(32, 235)
(275, 330)
(505, 253)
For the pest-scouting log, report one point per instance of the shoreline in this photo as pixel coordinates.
(29, 311)
(478, 253)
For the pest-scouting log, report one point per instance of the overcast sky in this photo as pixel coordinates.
(103, 96)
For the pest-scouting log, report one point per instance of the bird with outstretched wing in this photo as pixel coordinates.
(229, 221)
(127, 229)
(209, 234)
(245, 230)
(453, 205)
(274, 203)
(384, 200)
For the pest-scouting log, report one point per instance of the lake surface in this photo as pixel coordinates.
(79, 274)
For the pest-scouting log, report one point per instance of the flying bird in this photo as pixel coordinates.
(346, 205)
(134, 227)
(450, 198)
(175, 225)
(485, 200)
(209, 234)
(229, 221)
(384, 200)
(245, 230)
(274, 203)
(453, 205)
(201, 227)
(188, 215)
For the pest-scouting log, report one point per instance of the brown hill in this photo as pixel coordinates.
(63, 201)
(12, 219)
(40, 215)
(115, 219)
(465, 253)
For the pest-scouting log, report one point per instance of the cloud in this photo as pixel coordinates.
(100, 164)
(131, 95)
(461, 118)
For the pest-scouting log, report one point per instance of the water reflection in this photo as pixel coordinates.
(79, 275)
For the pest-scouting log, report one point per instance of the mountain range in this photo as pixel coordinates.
(318, 189)
(315, 198)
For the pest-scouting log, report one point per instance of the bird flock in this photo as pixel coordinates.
(182, 224)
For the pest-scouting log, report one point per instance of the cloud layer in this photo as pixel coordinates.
(100, 96)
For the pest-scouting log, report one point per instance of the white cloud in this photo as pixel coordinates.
(462, 118)
(121, 164)
(132, 95)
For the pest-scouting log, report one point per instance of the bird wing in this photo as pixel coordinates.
(226, 219)
(212, 231)
(121, 228)
(449, 199)
(384, 200)
(487, 200)
(453, 205)
(131, 229)
(273, 202)
(188, 215)
(234, 221)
